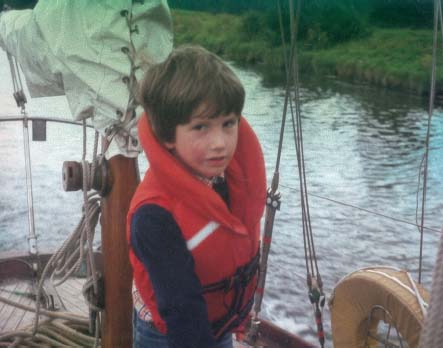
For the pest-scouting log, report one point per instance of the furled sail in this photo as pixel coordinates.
(93, 52)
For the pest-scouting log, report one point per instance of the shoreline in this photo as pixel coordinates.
(395, 59)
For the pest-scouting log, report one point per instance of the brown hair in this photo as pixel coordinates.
(191, 76)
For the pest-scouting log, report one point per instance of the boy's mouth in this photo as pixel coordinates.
(217, 160)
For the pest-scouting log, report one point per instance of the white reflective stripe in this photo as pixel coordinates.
(201, 235)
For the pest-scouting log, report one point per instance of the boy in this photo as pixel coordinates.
(193, 224)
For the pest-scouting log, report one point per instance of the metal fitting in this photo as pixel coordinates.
(73, 176)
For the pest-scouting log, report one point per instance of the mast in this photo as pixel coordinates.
(117, 317)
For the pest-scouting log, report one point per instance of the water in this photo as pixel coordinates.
(362, 146)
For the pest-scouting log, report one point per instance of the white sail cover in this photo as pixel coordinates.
(87, 50)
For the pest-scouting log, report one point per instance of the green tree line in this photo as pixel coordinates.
(340, 19)
(409, 13)
(18, 4)
(322, 22)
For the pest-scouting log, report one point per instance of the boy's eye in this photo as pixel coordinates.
(199, 127)
(230, 123)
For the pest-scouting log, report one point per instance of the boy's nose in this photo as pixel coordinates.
(218, 140)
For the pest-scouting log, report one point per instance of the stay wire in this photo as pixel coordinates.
(272, 205)
(314, 282)
(287, 102)
(432, 331)
(287, 87)
(88, 174)
(313, 278)
(283, 38)
(298, 137)
(20, 99)
(437, 22)
(364, 209)
(288, 95)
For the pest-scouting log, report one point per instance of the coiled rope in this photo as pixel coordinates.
(63, 264)
(69, 257)
(78, 247)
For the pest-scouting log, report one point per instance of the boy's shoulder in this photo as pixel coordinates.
(151, 212)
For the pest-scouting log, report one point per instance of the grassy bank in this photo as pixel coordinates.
(392, 58)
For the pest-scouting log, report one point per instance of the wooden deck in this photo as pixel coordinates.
(21, 291)
(16, 285)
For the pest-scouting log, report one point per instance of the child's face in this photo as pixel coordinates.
(206, 145)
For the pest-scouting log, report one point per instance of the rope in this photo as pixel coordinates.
(54, 332)
(421, 302)
(411, 289)
(63, 264)
(50, 314)
(68, 258)
(79, 246)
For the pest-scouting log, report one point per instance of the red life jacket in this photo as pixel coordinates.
(222, 240)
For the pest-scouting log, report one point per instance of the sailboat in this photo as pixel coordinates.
(106, 318)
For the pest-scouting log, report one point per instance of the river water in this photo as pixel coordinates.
(363, 147)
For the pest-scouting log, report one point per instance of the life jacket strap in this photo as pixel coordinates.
(242, 275)
(236, 311)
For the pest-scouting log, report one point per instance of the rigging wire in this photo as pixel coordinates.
(432, 333)
(298, 138)
(364, 210)
(313, 277)
(20, 99)
(437, 22)
(273, 201)
(79, 246)
(88, 174)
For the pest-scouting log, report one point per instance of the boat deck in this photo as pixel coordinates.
(17, 315)
(21, 291)
(17, 303)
